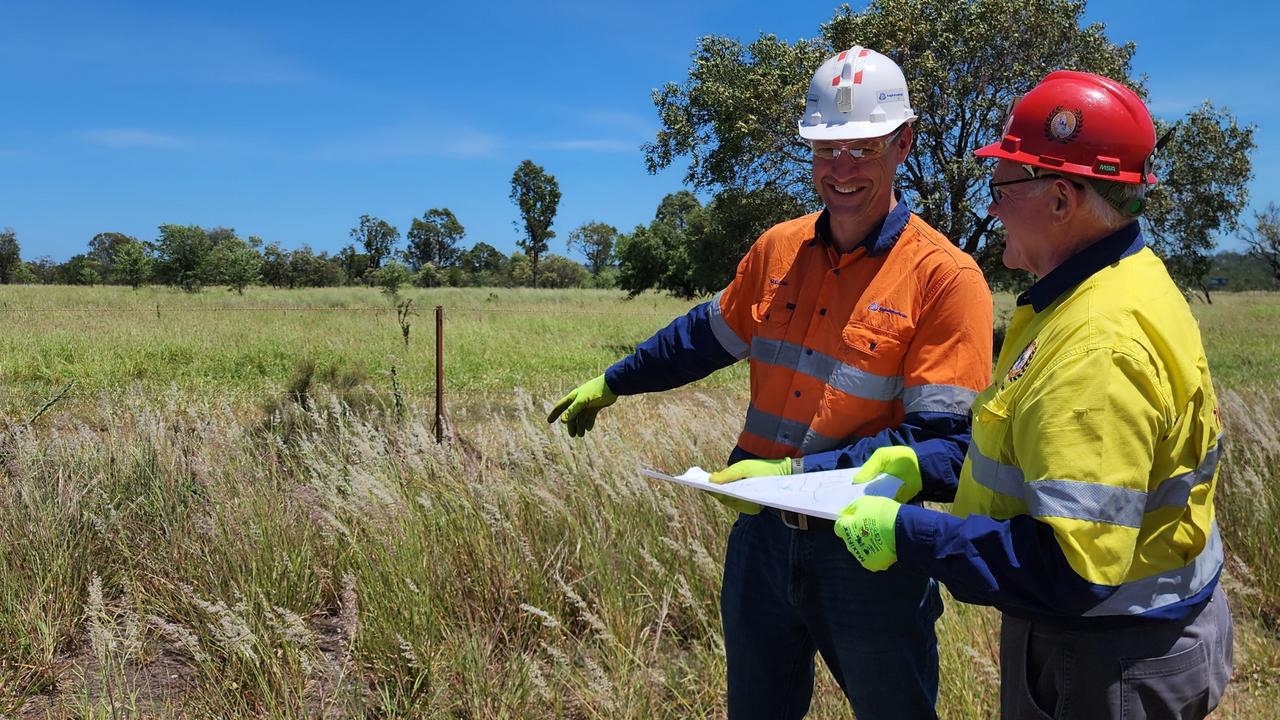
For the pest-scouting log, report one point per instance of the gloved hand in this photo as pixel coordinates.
(899, 461)
(582, 403)
(868, 528)
(745, 469)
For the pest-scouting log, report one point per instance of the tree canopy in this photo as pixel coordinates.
(733, 119)
(537, 194)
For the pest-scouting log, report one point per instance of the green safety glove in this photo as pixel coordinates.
(868, 528)
(580, 406)
(899, 461)
(745, 469)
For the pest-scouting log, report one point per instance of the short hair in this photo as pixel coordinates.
(1115, 204)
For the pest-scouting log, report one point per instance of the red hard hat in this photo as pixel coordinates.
(1083, 124)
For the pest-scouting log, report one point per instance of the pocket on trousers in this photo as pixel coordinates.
(1173, 686)
(1046, 669)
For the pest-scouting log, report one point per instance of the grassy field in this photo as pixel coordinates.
(198, 531)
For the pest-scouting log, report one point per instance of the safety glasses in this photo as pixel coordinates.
(996, 194)
(857, 150)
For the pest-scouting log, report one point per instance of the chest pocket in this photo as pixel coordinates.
(775, 310)
(868, 364)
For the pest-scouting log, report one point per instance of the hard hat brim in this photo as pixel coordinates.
(994, 150)
(852, 130)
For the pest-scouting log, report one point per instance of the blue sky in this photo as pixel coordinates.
(288, 120)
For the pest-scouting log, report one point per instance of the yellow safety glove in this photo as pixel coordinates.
(745, 469)
(868, 527)
(580, 406)
(899, 461)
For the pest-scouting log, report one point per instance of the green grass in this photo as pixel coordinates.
(217, 345)
(169, 550)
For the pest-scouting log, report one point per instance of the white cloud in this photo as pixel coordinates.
(125, 138)
(409, 142)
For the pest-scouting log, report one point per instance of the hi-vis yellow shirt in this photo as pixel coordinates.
(1101, 423)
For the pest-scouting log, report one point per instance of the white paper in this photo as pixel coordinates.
(817, 494)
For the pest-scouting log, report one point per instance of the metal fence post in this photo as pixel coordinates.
(439, 374)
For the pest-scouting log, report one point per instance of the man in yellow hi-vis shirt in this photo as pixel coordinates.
(1084, 509)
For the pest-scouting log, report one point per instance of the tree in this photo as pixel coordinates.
(275, 266)
(181, 255)
(1264, 238)
(559, 271)
(595, 240)
(235, 264)
(433, 239)
(80, 270)
(392, 276)
(734, 117)
(104, 247)
(684, 250)
(537, 194)
(130, 264)
(378, 237)
(10, 255)
(482, 265)
(354, 264)
(1204, 172)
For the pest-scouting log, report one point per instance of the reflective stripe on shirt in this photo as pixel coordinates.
(938, 398)
(843, 377)
(1166, 588)
(1080, 500)
(791, 433)
(729, 340)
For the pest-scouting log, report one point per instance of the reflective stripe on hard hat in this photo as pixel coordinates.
(855, 95)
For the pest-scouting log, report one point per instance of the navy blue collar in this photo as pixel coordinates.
(1079, 267)
(882, 237)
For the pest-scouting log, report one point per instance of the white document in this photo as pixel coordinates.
(817, 494)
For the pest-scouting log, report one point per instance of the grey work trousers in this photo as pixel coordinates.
(1156, 670)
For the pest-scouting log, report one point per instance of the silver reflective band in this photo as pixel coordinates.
(938, 398)
(1085, 501)
(791, 433)
(1176, 491)
(1166, 588)
(729, 340)
(845, 378)
(994, 476)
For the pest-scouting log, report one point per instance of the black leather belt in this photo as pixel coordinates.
(796, 521)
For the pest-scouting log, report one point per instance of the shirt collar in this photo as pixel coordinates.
(1079, 267)
(882, 237)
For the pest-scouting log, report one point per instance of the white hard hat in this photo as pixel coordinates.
(854, 95)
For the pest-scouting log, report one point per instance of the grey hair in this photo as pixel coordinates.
(1104, 200)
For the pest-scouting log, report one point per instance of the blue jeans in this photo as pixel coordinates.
(788, 593)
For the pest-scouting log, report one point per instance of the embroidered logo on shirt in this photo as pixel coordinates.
(877, 307)
(1020, 365)
(777, 281)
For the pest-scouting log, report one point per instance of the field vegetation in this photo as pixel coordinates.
(230, 515)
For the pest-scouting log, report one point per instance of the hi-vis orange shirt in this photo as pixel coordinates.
(885, 345)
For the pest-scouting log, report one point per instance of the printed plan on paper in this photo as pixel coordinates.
(819, 494)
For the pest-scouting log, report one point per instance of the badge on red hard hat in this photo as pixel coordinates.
(1063, 125)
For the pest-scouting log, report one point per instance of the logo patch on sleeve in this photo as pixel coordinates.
(1020, 365)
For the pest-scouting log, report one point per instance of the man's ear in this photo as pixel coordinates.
(1066, 200)
(905, 139)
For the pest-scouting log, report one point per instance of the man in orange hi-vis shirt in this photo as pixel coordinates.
(865, 328)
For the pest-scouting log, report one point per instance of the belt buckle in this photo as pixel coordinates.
(795, 521)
